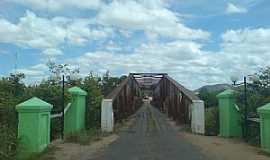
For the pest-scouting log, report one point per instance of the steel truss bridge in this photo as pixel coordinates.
(166, 94)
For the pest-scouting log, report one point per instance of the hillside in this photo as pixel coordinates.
(214, 88)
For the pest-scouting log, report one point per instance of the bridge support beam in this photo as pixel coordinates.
(107, 118)
(197, 117)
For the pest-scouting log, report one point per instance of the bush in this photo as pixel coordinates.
(94, 98)
(253, 136)
(8, 133)
(212, 121)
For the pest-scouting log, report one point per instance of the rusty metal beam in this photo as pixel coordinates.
(125, 98)
(168, 95)
(174, 99)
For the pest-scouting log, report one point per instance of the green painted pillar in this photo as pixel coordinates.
(75, 116)
(34, 125)
(229, 116)
(264, 113)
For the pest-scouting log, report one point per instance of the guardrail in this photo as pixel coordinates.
(124, 98)
(123, 101)
(181, 104)
(174, 99)
(61, 113)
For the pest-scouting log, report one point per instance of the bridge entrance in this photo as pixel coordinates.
(150, 136)
(164, 93)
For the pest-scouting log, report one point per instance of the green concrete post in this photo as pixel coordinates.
(229, 116)
(75, 116)
(264, 113)
(34, 125)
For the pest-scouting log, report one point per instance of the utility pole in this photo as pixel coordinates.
(246, 108)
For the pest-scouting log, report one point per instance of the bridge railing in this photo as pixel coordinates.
(123, 101)
(181, 104)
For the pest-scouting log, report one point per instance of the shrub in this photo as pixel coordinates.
(8, 133)
(212, 121)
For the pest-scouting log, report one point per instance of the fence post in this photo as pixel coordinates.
(34, 125)
(75, 116)
(264, 112)
(197, 117)
(107, 119)
(229, 116)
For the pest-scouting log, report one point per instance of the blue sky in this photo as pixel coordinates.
(197, 42)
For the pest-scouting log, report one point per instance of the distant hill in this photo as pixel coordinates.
(214, 88)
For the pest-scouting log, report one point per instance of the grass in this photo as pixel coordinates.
(85, 137)
(123, 125)
(47, 154)
(151, 124)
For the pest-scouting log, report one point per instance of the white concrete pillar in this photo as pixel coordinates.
(107, 119)
(197, 117)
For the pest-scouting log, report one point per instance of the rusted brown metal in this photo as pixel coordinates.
(126, 98)
(168, 95)
(174, 99)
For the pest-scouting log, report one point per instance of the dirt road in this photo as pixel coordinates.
(150, 137)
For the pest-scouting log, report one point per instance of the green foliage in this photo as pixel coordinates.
(258, 94)
(209, 98)
(263, 80)
(50, 93)
(108, 83)
(212, 121)
(94, 98)
(11, 91)
(253, 136)
(8, 139)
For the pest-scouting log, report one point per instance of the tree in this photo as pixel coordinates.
(11, 89)
(209, 98)
(70, 74)
(262, 82)
(108, 83)
(94, 98)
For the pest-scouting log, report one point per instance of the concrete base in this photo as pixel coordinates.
(197, 117)
(107, 119)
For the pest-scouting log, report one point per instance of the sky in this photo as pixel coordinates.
(197, 42)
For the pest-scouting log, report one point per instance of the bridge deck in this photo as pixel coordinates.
(150, 137)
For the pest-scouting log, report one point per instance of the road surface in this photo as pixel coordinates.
(150, 137)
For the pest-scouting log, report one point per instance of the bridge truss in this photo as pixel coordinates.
(170, 97)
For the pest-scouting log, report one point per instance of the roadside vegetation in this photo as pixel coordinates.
(258, 94)
(13, 91)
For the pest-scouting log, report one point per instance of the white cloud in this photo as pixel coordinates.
(171, 47)
(232, 9)
(29, 72)
(34, 71)
(242, 52)
(79, 32)
(32, 31)
(35, 32)
(171, 57)
(148, 17)
(112, 46)
(247, 48)
(56, 5)
(52, 52)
